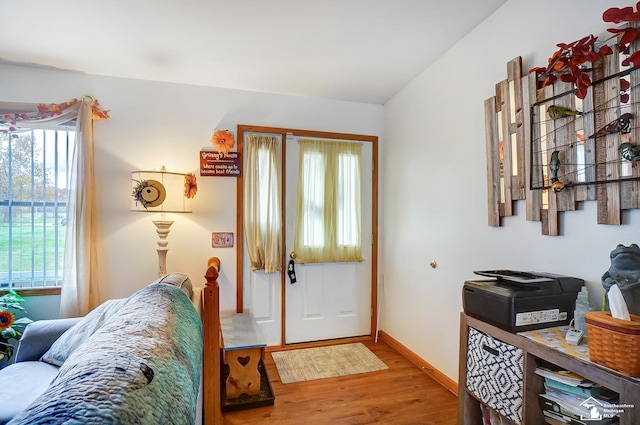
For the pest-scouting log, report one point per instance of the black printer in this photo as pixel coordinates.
(521, 301)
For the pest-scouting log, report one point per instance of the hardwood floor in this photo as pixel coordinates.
(401, 395)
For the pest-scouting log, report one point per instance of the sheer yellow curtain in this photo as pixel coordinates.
(329, 202)
(262, 201)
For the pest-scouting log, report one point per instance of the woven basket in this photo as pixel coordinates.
(614, 343)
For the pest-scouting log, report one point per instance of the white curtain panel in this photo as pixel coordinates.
(80, 278)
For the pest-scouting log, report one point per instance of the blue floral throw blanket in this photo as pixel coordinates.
(142, 366)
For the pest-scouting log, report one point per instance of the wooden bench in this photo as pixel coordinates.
(243, 346)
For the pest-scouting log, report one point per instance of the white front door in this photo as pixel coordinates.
(328, 300)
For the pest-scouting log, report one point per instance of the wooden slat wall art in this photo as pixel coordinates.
(521, 139)
(516, 129)
(504, 148)
(608, 195)
(493, 161)
(505, 138)
(533, 197)
(631, 190)
(588, 192)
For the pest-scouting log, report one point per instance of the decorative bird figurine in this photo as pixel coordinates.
(622, 125)
(556, 112)
(629, 151)
(554, 167)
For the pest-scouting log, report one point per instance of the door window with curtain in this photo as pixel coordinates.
(262, 200)
(329, 202)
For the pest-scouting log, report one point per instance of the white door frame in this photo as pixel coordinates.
(242, 129)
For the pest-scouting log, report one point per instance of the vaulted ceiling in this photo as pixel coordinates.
(356, 50)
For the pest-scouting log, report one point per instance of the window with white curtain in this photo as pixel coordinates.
(329, 202)
(33, 199)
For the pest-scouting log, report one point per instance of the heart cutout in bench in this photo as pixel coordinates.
(244, 361)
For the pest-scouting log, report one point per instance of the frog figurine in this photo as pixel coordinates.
(625, 272)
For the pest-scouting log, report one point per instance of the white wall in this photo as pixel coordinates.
(154, 124)
(434, 182)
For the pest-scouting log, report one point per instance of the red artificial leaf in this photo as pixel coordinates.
(584, 80)
(549, 80)
(626, 10)
(611, 15)
(582, 49)
(633, 17)
(592, 56)
(605, 50)
(616, 15)
(585, 42)
(624, 84)
(624, 98)
(581, 93)
(568, 78)
(635, 58)
(615, 32)
(559, 65)
(537, 69)
(630, 34)
(574, 62)
(555, 56)
(625, 62)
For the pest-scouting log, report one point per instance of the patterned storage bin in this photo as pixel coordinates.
(495, 374)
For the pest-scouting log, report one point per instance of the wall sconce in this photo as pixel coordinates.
(163, 192)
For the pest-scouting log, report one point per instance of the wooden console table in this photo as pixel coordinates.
(534, 352)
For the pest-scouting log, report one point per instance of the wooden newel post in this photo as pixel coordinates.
(211, 329)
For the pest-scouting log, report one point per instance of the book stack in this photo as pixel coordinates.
(571, 399)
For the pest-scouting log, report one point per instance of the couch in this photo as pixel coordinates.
(136, 360)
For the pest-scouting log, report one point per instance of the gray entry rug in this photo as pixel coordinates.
(307, 364)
